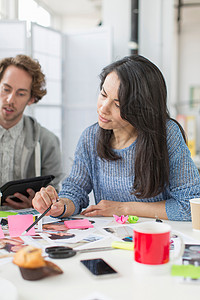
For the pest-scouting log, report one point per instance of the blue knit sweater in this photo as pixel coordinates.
(113, 180)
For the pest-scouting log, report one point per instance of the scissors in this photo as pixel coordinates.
(66, 252)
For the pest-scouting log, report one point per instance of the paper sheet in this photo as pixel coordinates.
(1, 233)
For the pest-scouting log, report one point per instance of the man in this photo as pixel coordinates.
(26, 148)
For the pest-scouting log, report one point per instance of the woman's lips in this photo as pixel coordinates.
(103, 120)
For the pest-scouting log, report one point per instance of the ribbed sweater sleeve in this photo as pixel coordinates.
(184, 181)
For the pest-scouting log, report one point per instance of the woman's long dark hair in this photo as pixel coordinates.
(142, 96)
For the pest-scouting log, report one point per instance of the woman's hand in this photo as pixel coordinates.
(108, 208)
(105, 208)
(46, 197)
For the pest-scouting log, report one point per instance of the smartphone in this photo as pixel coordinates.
(99, 267)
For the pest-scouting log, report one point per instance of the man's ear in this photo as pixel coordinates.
(31, 101)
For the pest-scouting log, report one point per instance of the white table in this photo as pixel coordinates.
(77, 284)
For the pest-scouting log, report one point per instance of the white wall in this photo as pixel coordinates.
(156, 24)
(189, 51)
(188, 69)
(117, 14)
(46, 46)
(85, 54)
(80, 22)
(13, 38)
(176, 53)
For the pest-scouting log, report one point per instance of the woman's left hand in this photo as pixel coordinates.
(105, 208)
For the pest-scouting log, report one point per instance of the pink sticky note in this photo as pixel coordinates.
(19, 223)
(1, 233)
(74, 224)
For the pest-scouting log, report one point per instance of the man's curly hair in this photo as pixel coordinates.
(31, 66)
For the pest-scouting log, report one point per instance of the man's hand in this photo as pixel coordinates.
(26, 201)
(105, 208)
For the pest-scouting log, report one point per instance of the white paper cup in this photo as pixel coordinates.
(195, 213)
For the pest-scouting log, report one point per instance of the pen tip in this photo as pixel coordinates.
(23, 233)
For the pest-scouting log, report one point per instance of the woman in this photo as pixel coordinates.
(135, 159)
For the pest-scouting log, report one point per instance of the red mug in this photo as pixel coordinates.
(152, 246)
(152, 243)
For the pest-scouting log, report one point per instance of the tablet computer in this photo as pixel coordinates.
(21, 185)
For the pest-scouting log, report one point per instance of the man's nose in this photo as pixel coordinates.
(11, 98)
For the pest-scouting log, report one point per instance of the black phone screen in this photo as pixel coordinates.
(98, 266)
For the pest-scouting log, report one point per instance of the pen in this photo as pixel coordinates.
(37, 220)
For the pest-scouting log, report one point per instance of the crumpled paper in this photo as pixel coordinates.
(121, 220)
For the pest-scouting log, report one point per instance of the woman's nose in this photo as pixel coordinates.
(105, 107)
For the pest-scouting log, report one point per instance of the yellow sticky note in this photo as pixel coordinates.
(123, 245)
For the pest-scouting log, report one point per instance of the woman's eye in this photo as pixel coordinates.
(103, 95)
(117, 105)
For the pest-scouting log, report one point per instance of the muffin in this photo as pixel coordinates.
(33, 266)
